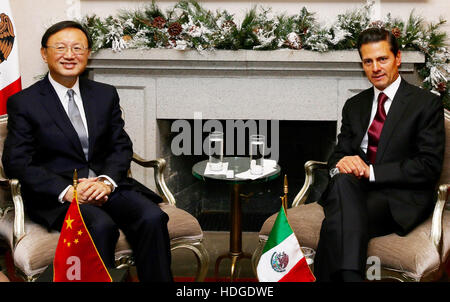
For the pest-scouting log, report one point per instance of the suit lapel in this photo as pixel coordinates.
(364, 113)
(393, 117)
(366, 109)
(52, 104)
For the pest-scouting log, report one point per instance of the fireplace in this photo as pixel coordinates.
(296, 142)
(300, 92)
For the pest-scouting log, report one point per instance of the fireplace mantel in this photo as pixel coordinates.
(242, 84)
(167, 84)
(249, 60)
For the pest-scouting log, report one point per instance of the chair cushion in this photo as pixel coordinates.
(37, 249)
(413, 254)
(181, 224)
(445, 249)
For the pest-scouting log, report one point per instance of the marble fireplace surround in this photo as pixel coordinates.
(163, 84)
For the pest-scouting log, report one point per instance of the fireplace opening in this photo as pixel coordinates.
(292, 143)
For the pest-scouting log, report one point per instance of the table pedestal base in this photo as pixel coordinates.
(235, 253)
(234, 257)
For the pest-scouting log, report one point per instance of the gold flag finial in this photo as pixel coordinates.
(75, 179)
(75, 183)
(285, 190)
(285, 184)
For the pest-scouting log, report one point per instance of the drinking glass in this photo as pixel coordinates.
(215, 150)
(257, 142)
(309, 254)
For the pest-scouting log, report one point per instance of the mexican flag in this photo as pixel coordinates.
(282, 259)
(10, 80)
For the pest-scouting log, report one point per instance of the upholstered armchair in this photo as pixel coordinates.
(33, 246)
(419, 256)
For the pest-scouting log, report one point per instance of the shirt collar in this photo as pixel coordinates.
(390, 91)
(61, 90)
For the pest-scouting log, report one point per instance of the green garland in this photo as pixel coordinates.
(187, 25)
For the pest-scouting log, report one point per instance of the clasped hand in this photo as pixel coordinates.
(89, 191)
(353, 165)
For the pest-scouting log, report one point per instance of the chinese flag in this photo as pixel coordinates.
(76, 257)
(10, 81)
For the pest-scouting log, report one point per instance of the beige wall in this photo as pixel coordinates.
(33, 16)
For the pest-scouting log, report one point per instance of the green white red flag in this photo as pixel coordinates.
(282, 259)
(76, 257)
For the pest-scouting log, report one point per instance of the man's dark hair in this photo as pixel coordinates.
(63, 25)
(376, 34)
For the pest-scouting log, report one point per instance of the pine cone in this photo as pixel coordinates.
(396, 32)
(174, 29)
(228, 24)
(442, 87)
(159, 22)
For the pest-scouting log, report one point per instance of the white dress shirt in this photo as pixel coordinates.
(390, 92)
(61, 91)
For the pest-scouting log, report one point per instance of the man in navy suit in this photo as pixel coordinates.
(386, 163)
(66, 122)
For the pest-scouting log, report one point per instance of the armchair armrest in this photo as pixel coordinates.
(310, 167)
(19, 213)
(158, 165)
(436, 223)
(13, 186)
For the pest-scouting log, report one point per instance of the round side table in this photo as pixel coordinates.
(238, 165)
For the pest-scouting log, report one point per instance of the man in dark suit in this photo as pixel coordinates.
(385, 165)
(65, 122)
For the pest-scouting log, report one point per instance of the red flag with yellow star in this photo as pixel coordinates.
(76, 257)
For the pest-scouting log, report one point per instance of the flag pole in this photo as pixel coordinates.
(75, 183)
(284, 198)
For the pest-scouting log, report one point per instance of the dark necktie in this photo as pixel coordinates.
(376, 127)
(75, 118)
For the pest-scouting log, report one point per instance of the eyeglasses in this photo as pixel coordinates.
(77, 49)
